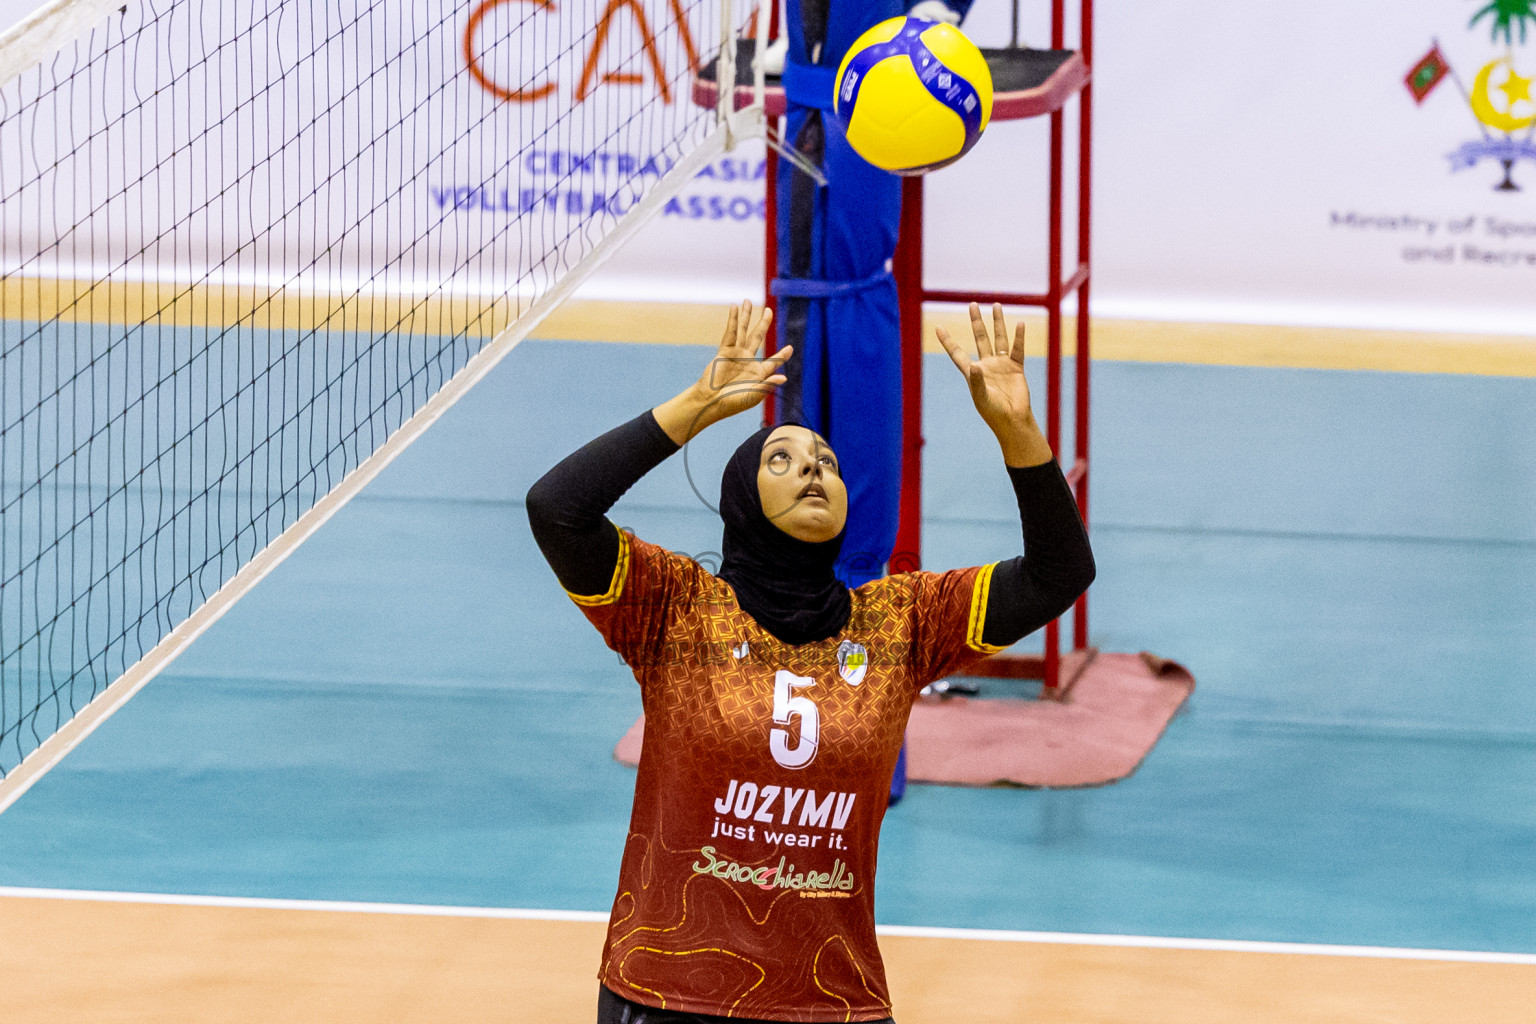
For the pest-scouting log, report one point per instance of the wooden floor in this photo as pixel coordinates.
(125, 963)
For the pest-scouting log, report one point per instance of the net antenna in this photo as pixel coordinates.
(250, 251)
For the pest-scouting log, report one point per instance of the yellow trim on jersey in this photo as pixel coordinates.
(978, 616)
(615, 586)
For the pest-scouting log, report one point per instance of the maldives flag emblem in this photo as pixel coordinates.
(1426, 74)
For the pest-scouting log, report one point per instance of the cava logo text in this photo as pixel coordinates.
(635, 40)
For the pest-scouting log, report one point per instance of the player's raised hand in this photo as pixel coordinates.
(996, 375)
(998, 388)
(737, 378)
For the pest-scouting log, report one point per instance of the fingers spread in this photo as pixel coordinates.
(760, 331)
(956, 355)
(976, 377)
(744, 323)
(979, 329)
(771, 366)
(729, 338)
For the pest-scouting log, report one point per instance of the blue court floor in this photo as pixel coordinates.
(408, 710)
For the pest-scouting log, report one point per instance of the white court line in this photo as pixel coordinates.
(978, 934)
(335, 906)
(1219, 945)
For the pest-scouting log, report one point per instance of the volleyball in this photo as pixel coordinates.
(913, 95)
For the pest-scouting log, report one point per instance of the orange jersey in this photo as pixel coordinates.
(747, 885)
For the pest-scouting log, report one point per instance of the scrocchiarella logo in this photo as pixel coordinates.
(781, 876)
(1499, 98)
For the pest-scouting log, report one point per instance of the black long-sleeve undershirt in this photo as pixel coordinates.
(568, 506)
(567, 509)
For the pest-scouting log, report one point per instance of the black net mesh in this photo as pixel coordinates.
(241, 244)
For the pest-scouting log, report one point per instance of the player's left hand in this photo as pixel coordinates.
(998, 388)
(996, 375)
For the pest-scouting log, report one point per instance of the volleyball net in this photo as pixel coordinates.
(250, 251)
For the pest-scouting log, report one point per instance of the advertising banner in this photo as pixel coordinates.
(1367, 165)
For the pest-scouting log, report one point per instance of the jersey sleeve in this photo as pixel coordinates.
(649, 586)
(949, 611)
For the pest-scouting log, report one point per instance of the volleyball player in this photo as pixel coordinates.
(775, 698)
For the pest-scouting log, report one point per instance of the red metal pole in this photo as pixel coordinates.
(1053, 357)
(907, 267)
(771, 238)
(771, 232)
(1054, 261)
(771, 267)
(1053, 303)
(1084, 360)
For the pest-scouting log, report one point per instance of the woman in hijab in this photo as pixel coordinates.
(775, 698)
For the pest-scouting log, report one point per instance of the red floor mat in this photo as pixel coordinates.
(1111, 718)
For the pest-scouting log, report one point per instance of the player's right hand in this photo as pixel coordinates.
(738, 378)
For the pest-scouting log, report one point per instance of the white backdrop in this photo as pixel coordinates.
(1255, 162)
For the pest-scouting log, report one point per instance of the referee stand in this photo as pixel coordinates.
(1027, 83)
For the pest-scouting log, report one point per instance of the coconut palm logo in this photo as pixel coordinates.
(1500, 99)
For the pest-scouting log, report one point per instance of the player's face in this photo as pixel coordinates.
(800, 487)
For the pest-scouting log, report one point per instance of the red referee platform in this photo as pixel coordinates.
(1098, 714)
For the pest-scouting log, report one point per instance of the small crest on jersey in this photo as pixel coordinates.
(741, 652)
(852, 661)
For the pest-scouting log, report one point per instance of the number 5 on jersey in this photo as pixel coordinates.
(786, 708)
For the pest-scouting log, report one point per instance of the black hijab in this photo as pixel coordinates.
(786, 584)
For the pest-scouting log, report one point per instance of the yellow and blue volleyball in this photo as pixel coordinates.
(913, 95)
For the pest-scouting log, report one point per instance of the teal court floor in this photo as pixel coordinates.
(409, 711)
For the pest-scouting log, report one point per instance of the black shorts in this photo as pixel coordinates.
(613, 1008)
